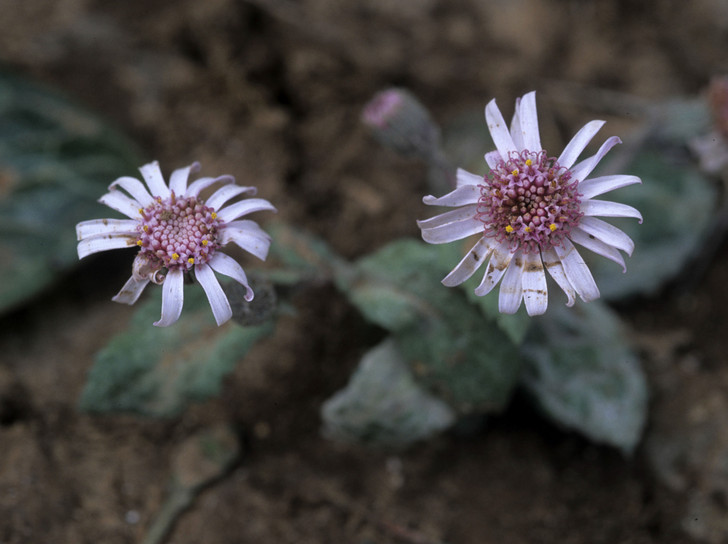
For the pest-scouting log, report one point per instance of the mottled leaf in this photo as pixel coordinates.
(56, 160)
(582, 372)
(453, 349)
(678, 205)
(383, 405)
(157, 371)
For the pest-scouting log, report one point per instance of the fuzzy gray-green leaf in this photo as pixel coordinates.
(383, 405)
(157, 371)
(678, 205)
(582, 372)
(453, 349)
(56, 160)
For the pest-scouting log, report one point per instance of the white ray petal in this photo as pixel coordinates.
(249, 225)
(118, 201)
(605, 208)
(577, 272)
(451, 216)
(199, 185)
(497, 265)
(535, 291)
(585, 167)
(244, 207)
(597, 186)
(516, 132)
(492, 158)
(499, 130)
(473, 260)
(529, 123)
(88, 246)
(228, 266)
(552, 263)
(463, 195)
(155, 181)
(178, 178)
(466, 178)
(580, 237)
(225, 193)
(511, 290)
(135, 188)
(247, 239)
(131, 291)
(450, 232)
(172, 298)
(102, 227)
(609, 234)
(215, 295)
(578, 143)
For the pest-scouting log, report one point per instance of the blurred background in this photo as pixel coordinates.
(271, 91)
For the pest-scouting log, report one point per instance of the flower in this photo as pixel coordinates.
(530, 209)
(177, 233)
(712, 148)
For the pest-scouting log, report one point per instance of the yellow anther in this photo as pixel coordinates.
(553, 227)
(139, 242)
(515, 172)
(529, 162)
(141, 210)
(213, 215)
(509, 229)
(145, 228)
(205, 242)
(175, 256)
(191, 260)
(527, 229)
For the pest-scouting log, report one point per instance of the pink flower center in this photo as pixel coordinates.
(529, 201)
(178, 233)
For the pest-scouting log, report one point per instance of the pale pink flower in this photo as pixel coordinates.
(178, 233)
(530, 209)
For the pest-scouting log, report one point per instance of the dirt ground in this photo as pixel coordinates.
(271, 91)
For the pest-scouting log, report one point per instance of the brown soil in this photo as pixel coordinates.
(271, 91)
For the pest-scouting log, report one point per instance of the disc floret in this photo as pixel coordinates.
(529, 201)
(178, 233)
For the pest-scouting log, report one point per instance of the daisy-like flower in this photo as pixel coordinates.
(178, 233)
(530, 210)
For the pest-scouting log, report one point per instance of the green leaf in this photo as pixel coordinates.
(157, 371)
(56, 160)
(383, 405)
(453, 350)
(678, 205)
(582, 372)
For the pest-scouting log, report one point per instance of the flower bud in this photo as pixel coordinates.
(399, 121)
